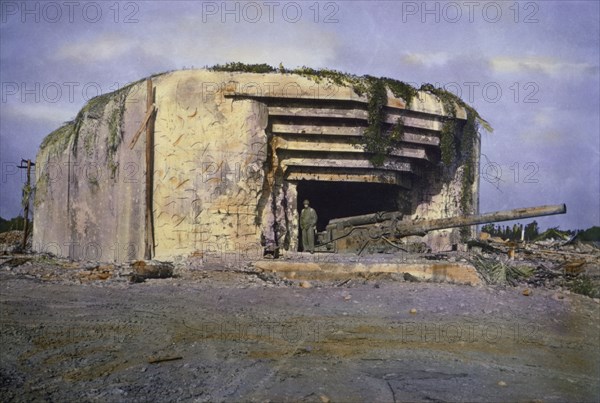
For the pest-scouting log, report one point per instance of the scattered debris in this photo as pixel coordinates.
(15, 261)
(102, 272)
(156, 360)
(410, 277)
(324, 399)
(343, 282)
(143, 270)
(565, 266)
(497, 272)
(548, 262)
(10, 242)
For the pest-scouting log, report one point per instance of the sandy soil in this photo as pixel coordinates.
(214, 335)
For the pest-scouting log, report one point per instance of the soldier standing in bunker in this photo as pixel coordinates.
(308, 222)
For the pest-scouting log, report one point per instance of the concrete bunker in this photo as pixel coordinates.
(233, 154)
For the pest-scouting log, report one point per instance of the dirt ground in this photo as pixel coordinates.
(70, 333)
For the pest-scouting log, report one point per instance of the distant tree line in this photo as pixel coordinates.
(532, 232)
(16, 223)
(512, 233)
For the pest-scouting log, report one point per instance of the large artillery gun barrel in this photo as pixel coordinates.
(364, 219)
(420, 227)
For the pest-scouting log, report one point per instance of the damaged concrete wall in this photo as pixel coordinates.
(229, 151)
(89, 193)
(210, 168)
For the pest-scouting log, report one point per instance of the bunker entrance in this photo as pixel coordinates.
(343, 199)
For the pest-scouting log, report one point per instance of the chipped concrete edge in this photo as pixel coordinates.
(458, 273)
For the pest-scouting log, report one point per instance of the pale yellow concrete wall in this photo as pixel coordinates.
(209, 167)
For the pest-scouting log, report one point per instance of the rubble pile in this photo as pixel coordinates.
(569, 264)
(10, 241)
(44, 267)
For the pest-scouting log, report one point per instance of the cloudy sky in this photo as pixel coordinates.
(531, 68)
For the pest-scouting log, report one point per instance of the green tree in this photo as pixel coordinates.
(531, 231)
(489, 228)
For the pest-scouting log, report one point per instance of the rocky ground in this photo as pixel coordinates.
(215, 331)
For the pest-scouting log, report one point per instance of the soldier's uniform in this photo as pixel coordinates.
(308, 223)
